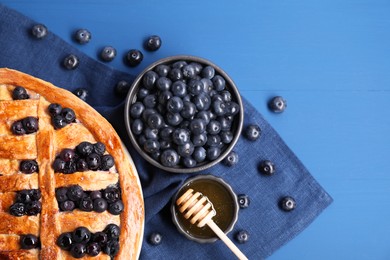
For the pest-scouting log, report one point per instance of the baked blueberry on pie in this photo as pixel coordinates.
(67, 187)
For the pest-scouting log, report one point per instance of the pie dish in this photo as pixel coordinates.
(68, 188)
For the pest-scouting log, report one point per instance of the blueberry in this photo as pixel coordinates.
(189, 71)
(199, 140)
(151, 133)
(81, 93)
(267, 167)
(287, 203)
(100, 205)
(58, 165)
(149, 79)
(277, 104)
(226, 124)
(112, 231)
(169, 158)
(186, 149)
(217, 97)
(122, 87)
(71, 62)
(30, 124)
(28, 166)
(59, 122)
(93, 249)
(134, 57)
(219, 107)
(195, 87)
(116, 208)
(151, 146)
(180, 136)
(175, 75)
(17, 128)
(29, 241)
(205, 115)
(84, 149)
(219, 83)
(179, 88)
(137, 109)
(64, 241)
(162, 70)
(213, 153)
(175, 104)
(189, 162)
(189, 110)
(252, 132)
(214, 127)
(112, 194)
(39, 31)
(81, 165)
(153, 43)
(70, 167)
(36, 194)
(155, 239)
(68, 115)
(155, 121)
(202, 101)
(61, 194)
(81, 235)
(78, 250)
(198, 67)
(141, 140)
(108, 53)
(226, 96)
(86, 204)
(213, 140)
(99, 148)
(179, 64)
(54, 109)
(197, 126)
(243, 201)
(232, 108)
(82, 36)
(107, 161)
(173, 119)
(242, 236)
(24, 196)
(17, 209)
(150, 101)
(67, 205)
(67, 155)
(166, 133)
(163, 83)
(96, 194)
(199, 154)
(163, 97)
(100, 238)
(75, 193)
(231, 159)
(94, 161)
(147, 112)
(208, 72)
(20, 93)
(33, 208)
(226, 137)
(111, 248)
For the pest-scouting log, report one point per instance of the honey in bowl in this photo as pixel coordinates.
(224, 202)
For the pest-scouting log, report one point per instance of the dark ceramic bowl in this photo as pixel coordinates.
(236, 125)
(224, 201)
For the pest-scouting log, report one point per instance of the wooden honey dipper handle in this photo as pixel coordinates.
(193, 206)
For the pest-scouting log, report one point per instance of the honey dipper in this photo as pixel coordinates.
(198, 209)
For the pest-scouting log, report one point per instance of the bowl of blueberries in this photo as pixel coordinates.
(183, 114)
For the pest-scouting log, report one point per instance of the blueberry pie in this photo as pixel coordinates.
(67, 187)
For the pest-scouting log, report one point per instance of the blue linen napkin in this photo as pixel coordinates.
(268, 226)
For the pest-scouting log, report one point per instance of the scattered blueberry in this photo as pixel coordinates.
(108, 53)
(71, 62)
(59, 122)
(153, 43)
(155, 238)
(29, 241)
(39, 31)
(68, 114)
(252, 132)
(30, 124)
(243, 201)
(122, 87)
(287, 203)
(231, 159)
(81, 93)
(267, 167)
(242, 236)
(134, 57)
(28, 166)
(82, 36)
(277, 104)
(20, 93)
(17, 128)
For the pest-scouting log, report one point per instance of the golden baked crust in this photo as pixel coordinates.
(43, 146)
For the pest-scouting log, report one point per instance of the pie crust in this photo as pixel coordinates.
(43, 146)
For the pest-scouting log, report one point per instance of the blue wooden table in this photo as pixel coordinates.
(329, 59)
